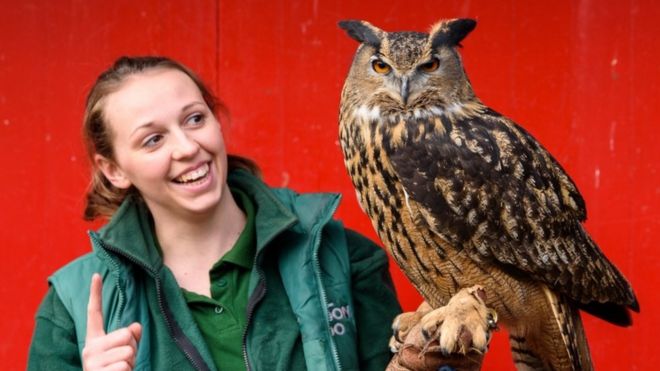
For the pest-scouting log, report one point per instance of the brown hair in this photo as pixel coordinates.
(103, 199)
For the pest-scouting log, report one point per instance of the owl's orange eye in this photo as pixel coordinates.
(430, 66)
(381, 67)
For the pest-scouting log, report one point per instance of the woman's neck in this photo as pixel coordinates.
(191, 245)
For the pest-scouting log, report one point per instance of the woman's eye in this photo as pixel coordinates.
(430, 66)
(381, 67)
(152, 141)
(196, 119)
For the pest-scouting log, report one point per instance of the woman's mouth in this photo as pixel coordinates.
(194, 176)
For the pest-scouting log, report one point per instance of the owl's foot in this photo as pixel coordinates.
(403, 323)
(453, 337)
(461, 326)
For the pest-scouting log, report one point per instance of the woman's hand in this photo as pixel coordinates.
(113, 351)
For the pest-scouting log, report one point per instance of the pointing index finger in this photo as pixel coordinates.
(95, 327)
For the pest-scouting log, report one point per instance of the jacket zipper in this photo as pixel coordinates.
(324, 298)
(251, 305)
(161, 304)
(173, 330)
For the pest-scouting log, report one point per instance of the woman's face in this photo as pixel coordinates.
(167, 143)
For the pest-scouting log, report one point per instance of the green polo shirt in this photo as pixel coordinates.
(222, 317)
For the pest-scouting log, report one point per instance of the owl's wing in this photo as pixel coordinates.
(485, 185)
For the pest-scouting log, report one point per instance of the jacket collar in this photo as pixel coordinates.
(130, 232)
(272, 216)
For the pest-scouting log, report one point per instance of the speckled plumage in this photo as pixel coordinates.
(462, 195)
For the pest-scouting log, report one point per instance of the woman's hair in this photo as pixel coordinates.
(103, 199)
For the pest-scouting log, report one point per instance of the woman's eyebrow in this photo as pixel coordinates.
(140, 127)
(187, 106)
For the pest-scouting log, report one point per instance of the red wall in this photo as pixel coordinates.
(580, 75)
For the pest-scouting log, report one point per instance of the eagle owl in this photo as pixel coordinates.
(461, 195)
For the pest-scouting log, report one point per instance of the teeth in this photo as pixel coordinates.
(194, 175)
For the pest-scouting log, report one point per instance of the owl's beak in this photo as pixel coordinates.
(405, 90)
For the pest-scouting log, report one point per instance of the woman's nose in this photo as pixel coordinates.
(185, 146)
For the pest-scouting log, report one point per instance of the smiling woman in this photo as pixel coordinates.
(178, 276)
(163, 133)
(132, 84)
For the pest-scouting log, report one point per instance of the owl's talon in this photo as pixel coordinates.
(427, 336)
(481, 293)
(394, 345)
(396, 337)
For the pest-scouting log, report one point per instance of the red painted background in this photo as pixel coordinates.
(582, 76)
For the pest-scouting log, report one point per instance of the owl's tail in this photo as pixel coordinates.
(556, 342)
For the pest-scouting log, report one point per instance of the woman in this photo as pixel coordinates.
(201, 265)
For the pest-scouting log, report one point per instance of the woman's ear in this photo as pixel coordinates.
(112, 172)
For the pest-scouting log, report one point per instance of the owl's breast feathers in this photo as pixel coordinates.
(484, 185)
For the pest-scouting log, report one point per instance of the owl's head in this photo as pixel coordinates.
(403, 71)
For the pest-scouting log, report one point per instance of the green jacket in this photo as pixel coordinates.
(320, 296)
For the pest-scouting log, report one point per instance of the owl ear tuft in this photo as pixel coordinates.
(363, 32)
(451, 32)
